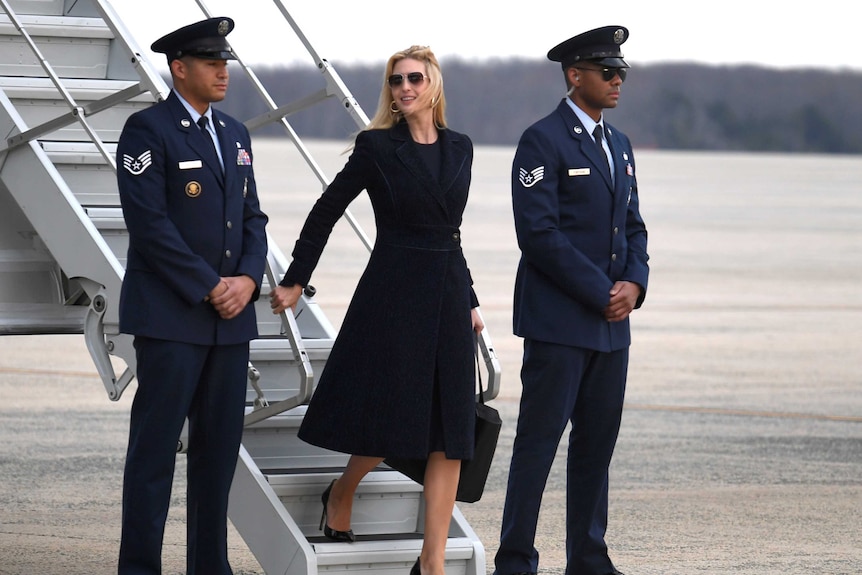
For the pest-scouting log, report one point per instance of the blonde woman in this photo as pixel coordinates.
(399, 381)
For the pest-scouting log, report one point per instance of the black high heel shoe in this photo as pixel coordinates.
(415, 569)
(333, 534)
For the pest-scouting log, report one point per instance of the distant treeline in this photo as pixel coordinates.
(663, 106)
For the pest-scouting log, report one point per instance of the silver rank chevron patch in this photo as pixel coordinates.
(530, 179)
(136, 166)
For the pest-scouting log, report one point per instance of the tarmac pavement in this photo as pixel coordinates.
(693, 490)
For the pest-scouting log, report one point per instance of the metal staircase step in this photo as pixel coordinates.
(387, 516)
(393, 556)
(38, 7)
(38, 101)
(41, 318)
(75, 47)
(386, 502)
(86, 172)
(279, 370)
(112, 227)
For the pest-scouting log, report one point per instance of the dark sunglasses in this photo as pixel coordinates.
(609, 73)
(413, 77)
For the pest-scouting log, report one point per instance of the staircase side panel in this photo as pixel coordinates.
(55, 215)
(269, 531)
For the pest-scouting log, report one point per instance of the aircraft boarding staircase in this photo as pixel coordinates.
(70, 74)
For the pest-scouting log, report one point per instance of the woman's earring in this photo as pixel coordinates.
(393, 108)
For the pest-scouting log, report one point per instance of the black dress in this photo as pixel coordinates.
(405, 350)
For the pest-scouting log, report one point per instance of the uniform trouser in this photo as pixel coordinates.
(177, 380)
(562, 384)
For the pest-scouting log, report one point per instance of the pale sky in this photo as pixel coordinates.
(767, 33)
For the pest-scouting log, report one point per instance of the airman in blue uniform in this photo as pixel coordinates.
(583, 269)
(197, 252)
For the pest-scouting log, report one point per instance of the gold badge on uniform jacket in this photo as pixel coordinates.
(193, 189)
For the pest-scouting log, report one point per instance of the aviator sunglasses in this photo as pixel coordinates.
(609, 73)
(413, 77)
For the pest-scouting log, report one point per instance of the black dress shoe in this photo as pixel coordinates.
(415, 570)
(329, 533)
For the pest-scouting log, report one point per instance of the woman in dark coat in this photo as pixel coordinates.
(399, 381)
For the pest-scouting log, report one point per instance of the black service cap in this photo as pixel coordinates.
(204, 39)
(601, 46)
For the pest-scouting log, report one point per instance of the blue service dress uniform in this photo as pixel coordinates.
(579, 233)
(190, 223)
(399, 381)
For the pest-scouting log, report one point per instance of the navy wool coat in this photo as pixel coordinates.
(189, 224)
(578, 233)
(407, 335)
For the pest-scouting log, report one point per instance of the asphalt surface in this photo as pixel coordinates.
(694, 490)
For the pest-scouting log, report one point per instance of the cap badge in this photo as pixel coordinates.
(223, 27)
(619, 36)
(136, 166)
(193, 189)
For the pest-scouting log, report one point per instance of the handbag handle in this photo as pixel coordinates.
(479, 371)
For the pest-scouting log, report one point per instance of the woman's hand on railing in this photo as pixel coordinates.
(283, 297)
(478, 324)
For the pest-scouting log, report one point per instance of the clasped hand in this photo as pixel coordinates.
(231, 295)
(624, 297)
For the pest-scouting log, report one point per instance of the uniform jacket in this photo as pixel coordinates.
(188, 225)
(407, 335)
(578, 233)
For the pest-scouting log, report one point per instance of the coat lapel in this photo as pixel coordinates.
(586, 143)
(454, 157)
(408, 153)
(621, 162)
(193, 136)
(451, 157)
(228, 145)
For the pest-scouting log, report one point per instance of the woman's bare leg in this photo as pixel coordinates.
(441, 485)
(340, 506)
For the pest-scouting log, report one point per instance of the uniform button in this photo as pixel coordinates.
(616, 230)
(229, 225)
(227, 253)
(613, 257)
(456, 237)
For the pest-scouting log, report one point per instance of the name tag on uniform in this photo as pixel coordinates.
(191, 165)
(579, 171)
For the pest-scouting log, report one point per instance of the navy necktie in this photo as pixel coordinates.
(203, 121)
(597, 135)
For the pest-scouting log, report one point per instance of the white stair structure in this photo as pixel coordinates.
(70, 75)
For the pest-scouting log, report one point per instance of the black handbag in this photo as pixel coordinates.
(474, 472)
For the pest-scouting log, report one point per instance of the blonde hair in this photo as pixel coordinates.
(385, 118)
